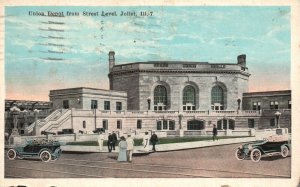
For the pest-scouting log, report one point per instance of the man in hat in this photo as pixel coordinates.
(153, 140)
(109, 142)
(114, 140)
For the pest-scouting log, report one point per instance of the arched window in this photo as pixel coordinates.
(189, 98)
(217, 98)
(160, 97)
(195, 125)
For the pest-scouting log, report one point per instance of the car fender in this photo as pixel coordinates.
(17, 151)
(259, 148)
(287, 145)
(45, 149)
(57, 152)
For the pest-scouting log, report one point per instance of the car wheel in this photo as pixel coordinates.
(239, 154)
(255, 155)
(284, 151)
(11, 154)
(45, 156)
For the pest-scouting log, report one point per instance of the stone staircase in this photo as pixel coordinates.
(47, 121)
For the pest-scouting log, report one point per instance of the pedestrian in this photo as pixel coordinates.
(215, 133)
(146, 142)
(122, 150)
(153, 140)
(114, 140)
(130, 144)
(109, 142)
(100, 141)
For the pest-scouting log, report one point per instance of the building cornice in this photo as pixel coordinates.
(123, 72)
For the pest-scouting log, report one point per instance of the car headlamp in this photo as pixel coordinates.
(241, 147)
(250, 147)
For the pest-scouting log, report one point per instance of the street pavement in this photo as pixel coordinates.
(206, 162)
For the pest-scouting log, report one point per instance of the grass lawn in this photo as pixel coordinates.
(167, 140)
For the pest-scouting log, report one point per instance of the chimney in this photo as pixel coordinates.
(242, 60)
(111, 60)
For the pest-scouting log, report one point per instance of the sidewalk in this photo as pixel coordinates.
(160, 147)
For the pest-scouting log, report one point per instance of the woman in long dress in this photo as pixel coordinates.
(122, 150)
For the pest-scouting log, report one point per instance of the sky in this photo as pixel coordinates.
(44, 53)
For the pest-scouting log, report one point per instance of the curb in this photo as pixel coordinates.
(159, 148)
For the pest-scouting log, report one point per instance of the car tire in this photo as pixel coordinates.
(45, 156)
(255, 155)
(284, 151)
(239, 154)
(11, 154)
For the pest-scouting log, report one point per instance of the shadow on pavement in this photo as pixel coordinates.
(272, 158)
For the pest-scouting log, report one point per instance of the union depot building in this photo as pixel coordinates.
(167, 96)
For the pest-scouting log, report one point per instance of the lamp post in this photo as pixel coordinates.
(277, 115)
(180, 119)
(15, 111)
(239, 104)
(36, 111)
(25, 120)
(149, 103)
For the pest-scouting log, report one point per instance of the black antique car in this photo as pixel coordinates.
(273, 145)
(45, 149)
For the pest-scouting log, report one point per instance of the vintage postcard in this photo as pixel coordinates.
(158, 94)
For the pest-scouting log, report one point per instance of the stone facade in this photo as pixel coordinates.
(81, 98)
(267, 100)
(140, 79)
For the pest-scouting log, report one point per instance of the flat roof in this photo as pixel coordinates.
(88, 88)
(267, 93)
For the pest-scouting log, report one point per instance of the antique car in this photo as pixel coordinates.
(44, 149)
(272, 145)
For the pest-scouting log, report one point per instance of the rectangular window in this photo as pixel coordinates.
(65, 104)
(258, 105)
(274, 105)
(106, 105)
(94, 104)
(254, 106)
(160, 65)
(118, 105)
(250, 123)
(272, 122)
(189, 65)
(218, 66)
(84, 124)
(158, 126)
(171, 125)
(289, 104)
(139, 124)
(105, 124)
(119, 124)
(165, 124)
